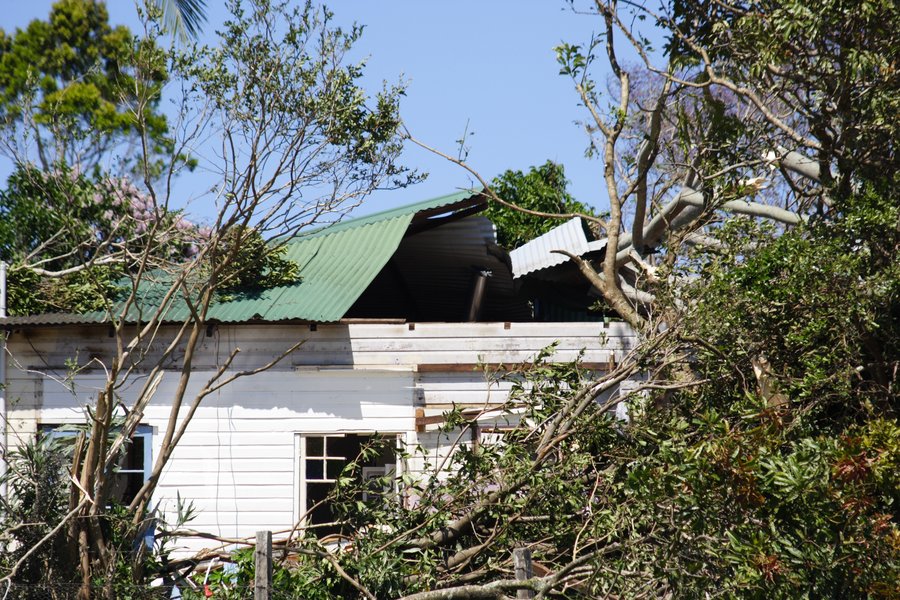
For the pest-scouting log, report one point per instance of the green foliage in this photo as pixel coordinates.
(256, 265)
(834, 65)
(796, 488)
(59, 221)
(37, 478)
(77, 229)
(70, 89)
(820, 304)
(542, 189)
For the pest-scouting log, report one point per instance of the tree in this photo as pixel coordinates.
(70, 92)
(754, 243)
(301, 142)
(542, 191)
(67, 238)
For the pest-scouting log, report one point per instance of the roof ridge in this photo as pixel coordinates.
(363, 220)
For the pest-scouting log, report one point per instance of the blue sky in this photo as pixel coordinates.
(489, 64)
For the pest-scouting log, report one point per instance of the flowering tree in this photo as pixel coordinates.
(67, 238)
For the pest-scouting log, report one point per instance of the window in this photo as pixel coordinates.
(134, 465)
(322, 457)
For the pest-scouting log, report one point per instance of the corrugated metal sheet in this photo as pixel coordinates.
(337, 263)
(52, 319)
(537, 254)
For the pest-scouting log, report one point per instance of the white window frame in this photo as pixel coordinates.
(300, 457)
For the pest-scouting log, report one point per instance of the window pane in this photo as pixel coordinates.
(334, 468)
(315, 469)
(345, 447)
(125, 486)
(315, 446)
(316, 492)
(134, 455)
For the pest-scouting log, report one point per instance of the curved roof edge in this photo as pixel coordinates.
(337, 263)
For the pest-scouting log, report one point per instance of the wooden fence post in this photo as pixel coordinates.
(262, 558)
(522, 566)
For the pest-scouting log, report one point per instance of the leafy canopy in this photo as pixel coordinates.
(68, 91)
(541, 189)
(70, 238)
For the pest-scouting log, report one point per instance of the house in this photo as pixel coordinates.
(397, 313)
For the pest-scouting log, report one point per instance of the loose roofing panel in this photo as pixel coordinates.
(446, 258)
(337, 263)
(538, 253)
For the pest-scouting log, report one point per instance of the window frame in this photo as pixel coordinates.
(141, 431)
(301, 456)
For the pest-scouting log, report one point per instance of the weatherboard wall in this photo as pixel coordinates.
(237, 463)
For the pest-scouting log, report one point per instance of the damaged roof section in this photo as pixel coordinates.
(420, 262)
(339, 262)
(435, 273)
(541, 252)
(557, 289)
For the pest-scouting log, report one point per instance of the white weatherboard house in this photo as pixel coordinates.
(396, 310)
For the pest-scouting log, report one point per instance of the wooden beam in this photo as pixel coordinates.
(476, 367)
(523, 570)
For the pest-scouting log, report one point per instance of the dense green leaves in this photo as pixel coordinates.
(256, 265)
(820, 304)
(71, 88)
(70, 238)
(541, 189)
(37, 496)
(59, 222)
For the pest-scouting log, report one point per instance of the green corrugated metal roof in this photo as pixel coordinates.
(335, 269)
(337, 263)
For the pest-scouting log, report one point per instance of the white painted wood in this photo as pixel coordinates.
(239, 460)
(352, 345)
(221, 479)
(190, 490)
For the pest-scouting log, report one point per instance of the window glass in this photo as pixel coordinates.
(324, 457)
(334, 468)
(315, 445)
(315, 469)
(134, 464)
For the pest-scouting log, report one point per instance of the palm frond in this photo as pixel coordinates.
(183, 17)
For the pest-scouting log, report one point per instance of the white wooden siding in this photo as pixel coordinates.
(237, 461)
(360, 345)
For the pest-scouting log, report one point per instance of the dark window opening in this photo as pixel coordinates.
(322, 459)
